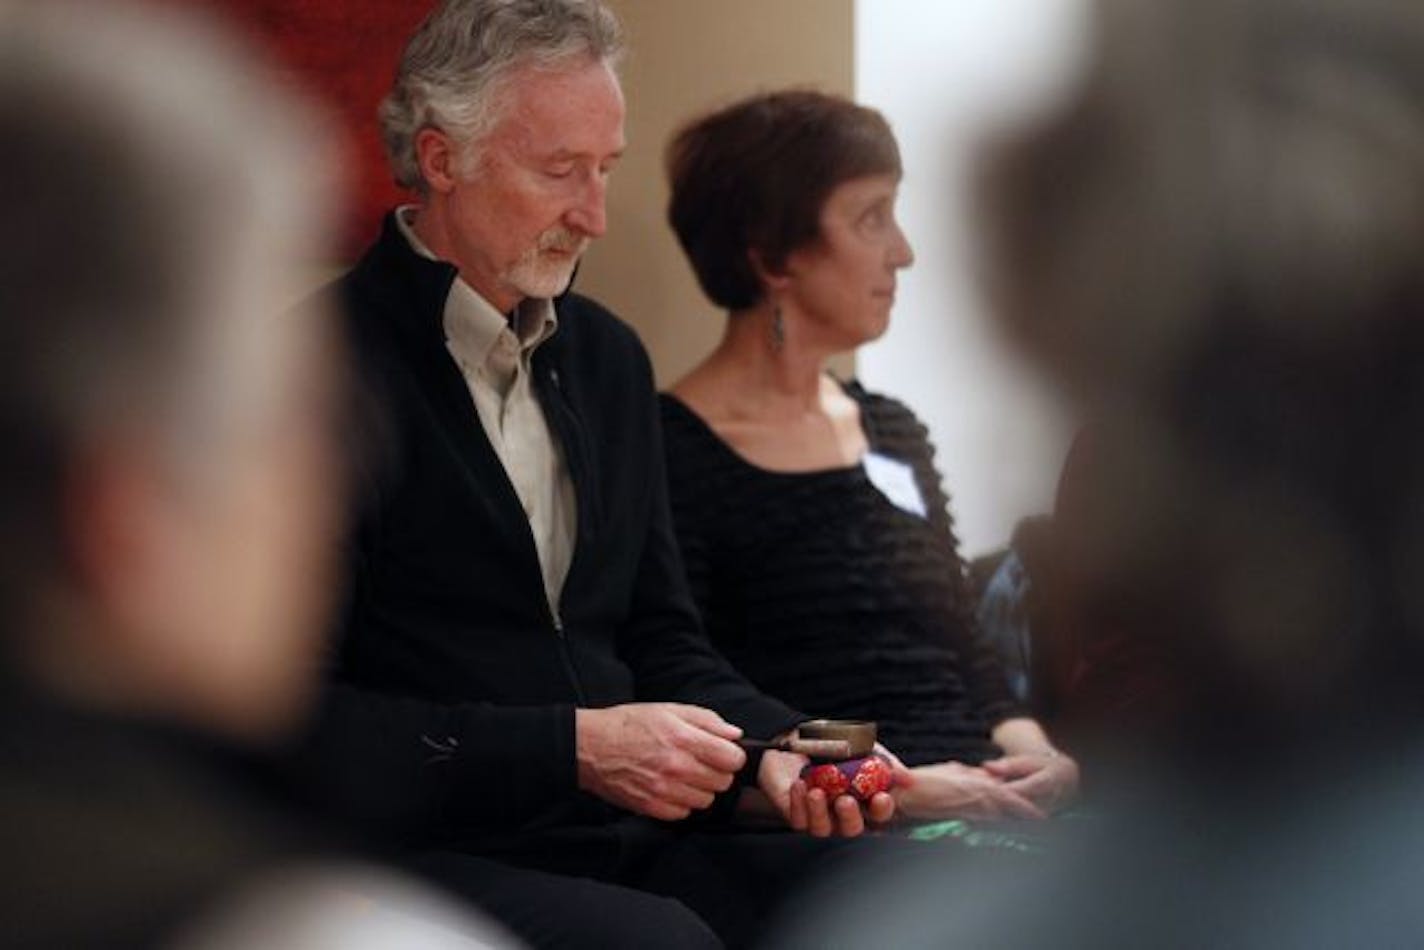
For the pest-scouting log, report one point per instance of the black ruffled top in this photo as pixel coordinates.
(830, 597)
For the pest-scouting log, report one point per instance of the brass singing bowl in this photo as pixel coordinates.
(859, 734)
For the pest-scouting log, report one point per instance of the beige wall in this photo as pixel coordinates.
(687, 56)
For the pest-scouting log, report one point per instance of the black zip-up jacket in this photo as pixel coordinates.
(453, 685)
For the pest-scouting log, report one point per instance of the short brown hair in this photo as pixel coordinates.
(752, 177)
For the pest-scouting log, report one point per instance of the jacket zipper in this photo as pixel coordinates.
(566, 430)
(568, 659)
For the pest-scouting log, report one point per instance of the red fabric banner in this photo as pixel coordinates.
(345, 52)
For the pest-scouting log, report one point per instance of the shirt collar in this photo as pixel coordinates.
(472, 324)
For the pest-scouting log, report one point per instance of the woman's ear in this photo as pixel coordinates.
(773, 280)
(437, 155)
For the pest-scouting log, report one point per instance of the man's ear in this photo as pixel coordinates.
(438, 157)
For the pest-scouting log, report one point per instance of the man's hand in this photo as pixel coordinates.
(779, 778)
(663, 760)
(1048, 780)
(956, 790)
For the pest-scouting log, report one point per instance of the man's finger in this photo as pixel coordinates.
(693, 772)
(708, 721)
(682, 794)
(695, 799)
(713, 750)
(663, 810)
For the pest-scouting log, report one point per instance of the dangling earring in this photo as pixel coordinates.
(778, 328)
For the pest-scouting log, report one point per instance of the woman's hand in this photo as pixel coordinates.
(1031, 765)
(1048, 779)
(956, 790)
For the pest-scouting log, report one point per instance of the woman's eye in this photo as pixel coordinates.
(559, 171)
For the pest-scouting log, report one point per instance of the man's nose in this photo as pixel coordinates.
(590, 215)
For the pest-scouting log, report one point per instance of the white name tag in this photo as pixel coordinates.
(896, 481)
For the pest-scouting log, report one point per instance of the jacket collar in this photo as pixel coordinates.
(413, 284)
(424, 284)
(471, 324)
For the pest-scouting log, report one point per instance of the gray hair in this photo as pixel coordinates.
(161, 196)
(455, 66)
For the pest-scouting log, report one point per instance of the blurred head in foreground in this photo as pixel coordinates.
(1217, 247)
(167, 481)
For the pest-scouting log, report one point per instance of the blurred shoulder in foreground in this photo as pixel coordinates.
(170, 489)
(1215, 247)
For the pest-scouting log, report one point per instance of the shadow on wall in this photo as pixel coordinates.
(686, 58)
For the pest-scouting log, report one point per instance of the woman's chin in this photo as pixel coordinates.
(877, 327)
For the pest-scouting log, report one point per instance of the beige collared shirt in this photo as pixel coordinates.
(494, 357)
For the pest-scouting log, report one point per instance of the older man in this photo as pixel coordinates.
(520, 648)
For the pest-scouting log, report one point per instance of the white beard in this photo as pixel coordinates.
(536, 275)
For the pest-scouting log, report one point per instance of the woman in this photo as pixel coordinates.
(811, 517)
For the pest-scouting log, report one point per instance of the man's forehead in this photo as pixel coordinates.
(577, 109)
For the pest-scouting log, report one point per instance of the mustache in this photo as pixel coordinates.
(564, 240)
